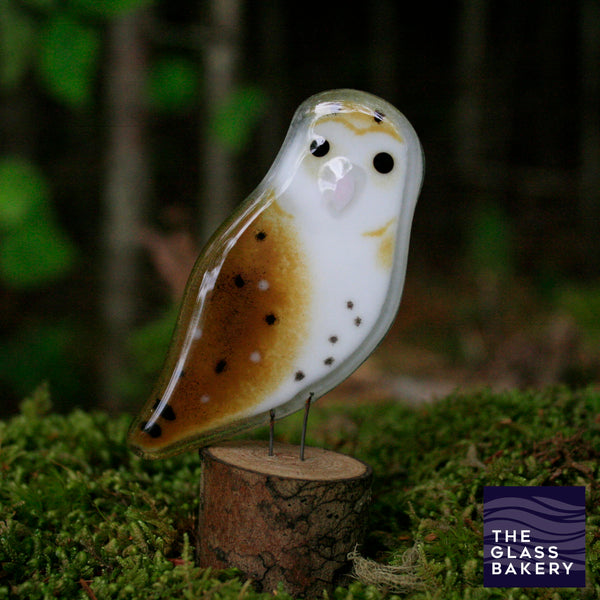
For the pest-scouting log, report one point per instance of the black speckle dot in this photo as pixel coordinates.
(333, 339)
(270, 319)
(239, 281)
(182, 373)
(168, 413)
(319, 147)
(299, 376)
(378, 116)
(349, 305)
(383, 163)
(260, 236)
(153, 431)
(220, 366)
(357, 321)
(329, 361)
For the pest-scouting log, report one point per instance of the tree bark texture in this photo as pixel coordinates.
(125, 195)
(471, 73)
(589, 173)
(221, 58)
(279, 519)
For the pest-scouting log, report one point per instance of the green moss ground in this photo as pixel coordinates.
(81, 517)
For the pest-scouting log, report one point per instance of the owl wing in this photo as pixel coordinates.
(242, 323)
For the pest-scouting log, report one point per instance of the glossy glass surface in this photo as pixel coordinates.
(299, 285)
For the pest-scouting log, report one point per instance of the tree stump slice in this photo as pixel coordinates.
(279, 519)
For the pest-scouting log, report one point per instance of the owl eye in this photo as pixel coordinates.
(319, 147)
(383, 162)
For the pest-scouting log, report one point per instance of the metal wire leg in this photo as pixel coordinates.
(304, 426)
(271, 431)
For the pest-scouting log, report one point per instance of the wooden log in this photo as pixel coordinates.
(279, 519)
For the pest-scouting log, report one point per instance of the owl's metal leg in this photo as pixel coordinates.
(304, 426)
(271, 431)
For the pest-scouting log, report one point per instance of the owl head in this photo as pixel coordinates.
(349, 159)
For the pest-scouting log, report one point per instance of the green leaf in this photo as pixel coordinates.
(491, 241)
(23, 192)
(109, 8)
(68, 60)
(237, 117)
(148, 347)
(149, 343)
(36, 353)
(173, 84)
(17, 45)
(35, 254)
(582, 302)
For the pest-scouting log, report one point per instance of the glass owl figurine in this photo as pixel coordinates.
(296, 289)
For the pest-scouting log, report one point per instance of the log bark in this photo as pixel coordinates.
(279, 519)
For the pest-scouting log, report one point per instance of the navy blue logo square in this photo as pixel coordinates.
(534, 536)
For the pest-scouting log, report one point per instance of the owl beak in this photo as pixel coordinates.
(337, 183)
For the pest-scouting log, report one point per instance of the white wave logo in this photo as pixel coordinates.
(534, 536)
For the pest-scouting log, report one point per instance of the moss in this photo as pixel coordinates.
(82, 517)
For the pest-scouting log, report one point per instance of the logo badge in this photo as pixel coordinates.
(534, 536)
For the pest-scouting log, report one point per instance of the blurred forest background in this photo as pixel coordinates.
(130, 128)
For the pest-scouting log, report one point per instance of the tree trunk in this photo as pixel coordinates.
(272, 52)
(279, 519)
(125, 196)
(470, 97)
(220, 65)
(589, 177)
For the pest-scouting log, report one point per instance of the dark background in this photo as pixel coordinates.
(145, 122)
